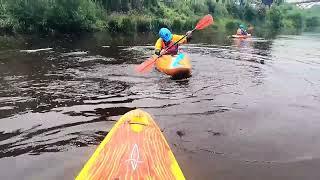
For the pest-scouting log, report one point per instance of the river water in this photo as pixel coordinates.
(249, 111)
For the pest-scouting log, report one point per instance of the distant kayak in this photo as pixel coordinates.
(178, 66)
(241, 36)
(135, 148)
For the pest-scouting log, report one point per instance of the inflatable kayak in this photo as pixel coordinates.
(177, 66)
(241, 36)
(134, 149)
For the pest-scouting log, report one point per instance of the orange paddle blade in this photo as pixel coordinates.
(146, 66)
(204, 22)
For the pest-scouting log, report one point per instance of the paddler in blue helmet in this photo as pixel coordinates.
(167, 39)
(241, 30)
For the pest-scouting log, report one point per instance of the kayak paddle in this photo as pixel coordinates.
(148, 64)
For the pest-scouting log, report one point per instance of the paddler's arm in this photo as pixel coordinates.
(187, 39)
(158, 46)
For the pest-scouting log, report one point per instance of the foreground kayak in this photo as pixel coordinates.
(134, 149)
(241, 36)
(177, 66)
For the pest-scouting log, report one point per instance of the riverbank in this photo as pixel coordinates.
(64, 16)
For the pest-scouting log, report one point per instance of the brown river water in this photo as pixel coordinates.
(235, 118)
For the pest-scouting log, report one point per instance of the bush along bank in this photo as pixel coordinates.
(26, 16)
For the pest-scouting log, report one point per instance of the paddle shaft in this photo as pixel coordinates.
(176, 43)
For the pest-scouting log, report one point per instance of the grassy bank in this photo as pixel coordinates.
(124, 16)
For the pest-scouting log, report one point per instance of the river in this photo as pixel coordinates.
(249, 111)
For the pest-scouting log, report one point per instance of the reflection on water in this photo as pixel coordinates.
(60, 97)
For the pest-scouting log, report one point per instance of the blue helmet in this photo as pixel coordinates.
(241, 26)
(165, 34)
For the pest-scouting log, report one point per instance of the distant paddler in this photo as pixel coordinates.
(242, 31)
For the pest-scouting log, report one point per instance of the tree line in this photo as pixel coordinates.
(125, 16)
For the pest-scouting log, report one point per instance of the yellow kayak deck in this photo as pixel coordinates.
(175, 66)
(135, 148)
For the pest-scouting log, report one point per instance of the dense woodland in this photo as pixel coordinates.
(127, 16)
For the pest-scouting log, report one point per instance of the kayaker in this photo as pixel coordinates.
(167, 39)
(241, 30)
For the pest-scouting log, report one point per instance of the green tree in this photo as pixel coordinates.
(125, 5)
(296, 19)
(312, 22)
(149, 3)
(275, 18)
(136, 4)
(115, 5)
